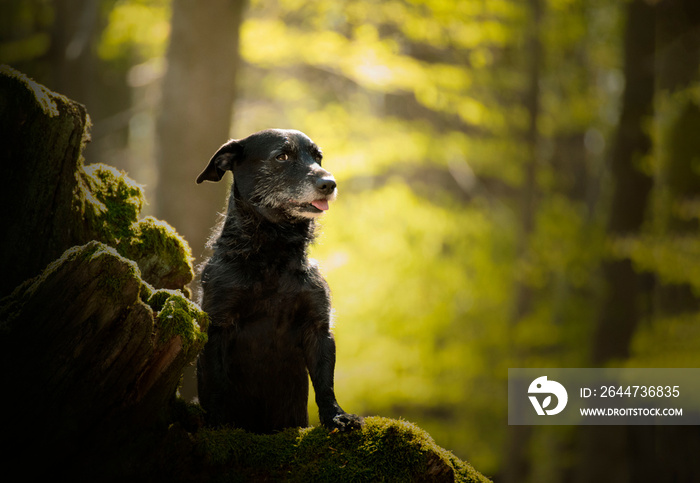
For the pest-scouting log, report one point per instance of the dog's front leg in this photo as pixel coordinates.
(320, 353)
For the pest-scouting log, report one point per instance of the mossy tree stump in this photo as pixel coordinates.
(52, 202)
(96, 328)
(95, 324)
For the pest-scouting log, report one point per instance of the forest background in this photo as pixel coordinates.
(519, 186)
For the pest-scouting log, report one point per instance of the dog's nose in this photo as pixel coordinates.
(325, 186)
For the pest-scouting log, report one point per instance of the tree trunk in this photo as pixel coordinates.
(74, 68)
(72, 54)
(196, 109)
(195, 118)
(523, 297)
(606, 452)
(620, 312)
(517, 461)
(678, 33)
(44, 136)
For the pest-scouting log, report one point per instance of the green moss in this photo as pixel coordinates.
(154, 234)
(179, 316)
(161, 251)
(384, 450)
(158, 298)
(146, 292)
(77, 255)
(112, 282)
(113, 202)
(110, 203)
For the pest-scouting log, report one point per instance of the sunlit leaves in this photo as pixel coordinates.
(423, 271)
(137, 27)
(367, 60)
(556, 244)
(426, 49)
(675, 259)
(405, 272)
(422, 283)
(358, 143)
(670, 341)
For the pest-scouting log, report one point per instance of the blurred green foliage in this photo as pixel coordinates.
(424, 268)
(135, 29)
(24, 30)
(421, 109)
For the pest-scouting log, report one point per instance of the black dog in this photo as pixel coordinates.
(270, 308)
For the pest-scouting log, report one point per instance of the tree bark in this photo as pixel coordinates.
(44, 135)
(87, 355)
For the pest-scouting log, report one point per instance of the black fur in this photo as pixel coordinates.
(269, 306)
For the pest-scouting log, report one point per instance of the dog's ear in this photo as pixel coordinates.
(222, 161)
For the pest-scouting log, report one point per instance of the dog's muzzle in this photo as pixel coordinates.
(326, 186)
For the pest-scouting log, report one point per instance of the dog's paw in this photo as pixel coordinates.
(344, 422)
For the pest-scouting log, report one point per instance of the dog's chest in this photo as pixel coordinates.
(279, 300)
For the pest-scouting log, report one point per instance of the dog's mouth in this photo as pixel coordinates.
(311, 209)
(320, 205)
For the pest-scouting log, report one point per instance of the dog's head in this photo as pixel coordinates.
(277, 172)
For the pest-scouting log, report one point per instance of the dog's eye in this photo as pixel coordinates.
(282, 157)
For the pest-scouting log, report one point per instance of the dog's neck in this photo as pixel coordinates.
(248, 233)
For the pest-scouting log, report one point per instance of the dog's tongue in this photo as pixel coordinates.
(320, 204)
